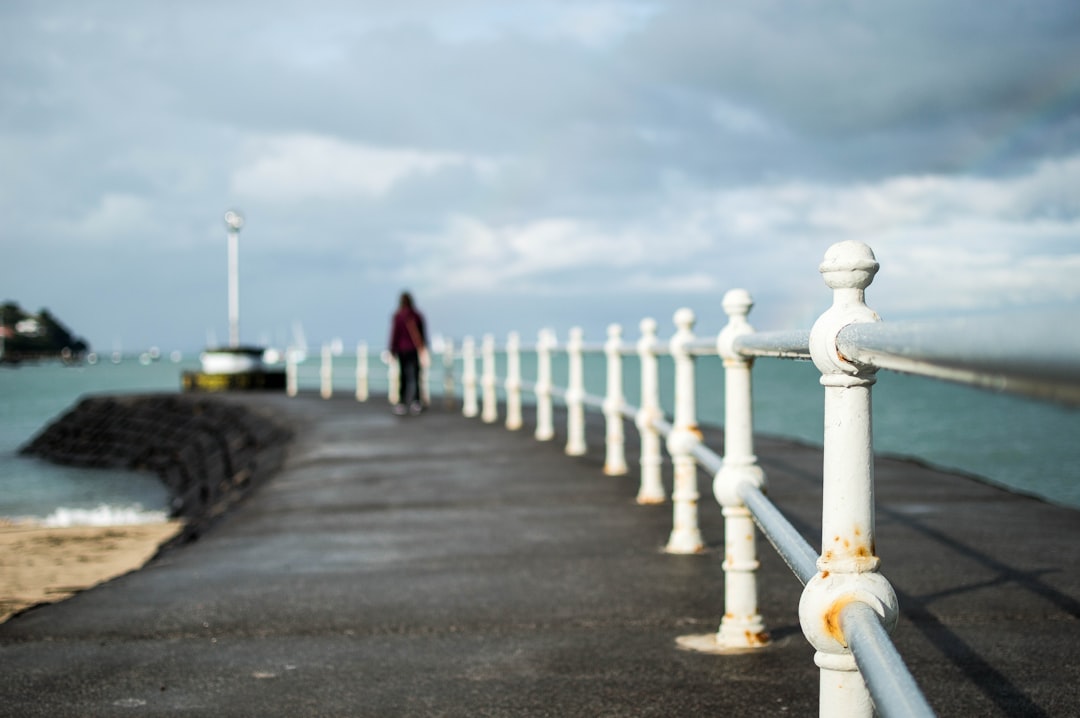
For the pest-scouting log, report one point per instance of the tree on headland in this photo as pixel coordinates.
(27, 336)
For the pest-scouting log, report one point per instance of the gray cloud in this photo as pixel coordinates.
(613, 156)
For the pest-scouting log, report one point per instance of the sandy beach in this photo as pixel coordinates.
(44, 565)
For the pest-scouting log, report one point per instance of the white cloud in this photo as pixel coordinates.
(472, 255)
(945, 243)
(303, 166)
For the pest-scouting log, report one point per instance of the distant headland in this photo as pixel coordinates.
(32, 337)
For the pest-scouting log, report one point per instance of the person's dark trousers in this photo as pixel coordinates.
(410, 377)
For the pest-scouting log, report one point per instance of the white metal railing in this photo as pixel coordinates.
(833, 581)
(847, 608)
(1032, 354)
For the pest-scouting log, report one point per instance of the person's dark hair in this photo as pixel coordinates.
(406, 301)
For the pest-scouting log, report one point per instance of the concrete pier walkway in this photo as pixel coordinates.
(440, 566)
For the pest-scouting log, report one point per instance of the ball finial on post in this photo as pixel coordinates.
(737, 304)
(684, 319)
(848, 269)
(849, 264)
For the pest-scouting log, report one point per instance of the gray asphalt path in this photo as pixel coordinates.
(439, 566)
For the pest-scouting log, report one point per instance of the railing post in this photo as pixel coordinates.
(615, 459)
(575, 396)
(684, 437)
(393, 377)
(848, 566)
(468, 377)
(545, 429)
(741, 626)
(291, 383)
(362, 371)
(513, 381)
(651, 490)
(448, 373)
(424, 390)
(326, 373)
(490, 412)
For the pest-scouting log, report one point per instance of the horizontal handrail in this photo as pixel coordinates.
(894, 692)
(624, 349)
(1035, 355)
(701, 347)
(592, 400)
(707, 458)
(782, 345)
(796, 551)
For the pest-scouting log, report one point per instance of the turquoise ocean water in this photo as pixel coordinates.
(1032, 447)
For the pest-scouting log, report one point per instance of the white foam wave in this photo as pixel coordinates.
(104, 515)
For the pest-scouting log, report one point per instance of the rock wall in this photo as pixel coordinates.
(209, 452)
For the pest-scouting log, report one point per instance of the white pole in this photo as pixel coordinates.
(741, 626)
(513, 382)
(291, 387)
(575, 396)
(424, 390)
(615, 440)
(468, 377)
(362, 371)
(651, 490)
(234, 222)
(326, 373)
(448, 373)
(490, 413)
(848, 566)
(545, 428)
(393, 377)
(685, 435)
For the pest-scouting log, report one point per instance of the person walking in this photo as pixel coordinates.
(408, 343)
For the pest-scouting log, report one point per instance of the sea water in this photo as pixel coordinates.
(32, 395)
(1029, 446)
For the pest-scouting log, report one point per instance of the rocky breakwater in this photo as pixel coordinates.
(209, 452)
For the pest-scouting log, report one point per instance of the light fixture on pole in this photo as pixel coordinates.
(233, 222)
(234, 367)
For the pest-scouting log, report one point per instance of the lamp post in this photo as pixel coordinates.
(233, 222)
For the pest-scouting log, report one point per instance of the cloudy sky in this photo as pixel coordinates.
(532, 163)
